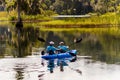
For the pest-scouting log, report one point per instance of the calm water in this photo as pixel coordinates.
(20, 59)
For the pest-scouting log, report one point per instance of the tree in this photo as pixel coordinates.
(104, 6)
(29, 7)
(58, 6)
(67, 6)
(76, 7)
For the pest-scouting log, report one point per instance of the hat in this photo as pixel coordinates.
(61, 43)
(51, 42)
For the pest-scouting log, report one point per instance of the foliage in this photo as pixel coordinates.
(12, 18)
(106, 10)
(27, 6)
(33, 7)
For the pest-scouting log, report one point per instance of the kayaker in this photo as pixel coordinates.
(51, 49)
(62, 47)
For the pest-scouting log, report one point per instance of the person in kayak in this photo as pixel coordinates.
(51, 49)
(62, 47)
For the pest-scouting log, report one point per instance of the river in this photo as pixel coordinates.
(30, 68)
(20, 53)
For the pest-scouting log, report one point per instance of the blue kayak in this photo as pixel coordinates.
(68, 54)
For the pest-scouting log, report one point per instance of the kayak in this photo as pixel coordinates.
(68, 54)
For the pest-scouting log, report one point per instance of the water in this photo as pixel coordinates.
(29, 68)
(20, 59)
(19, 68)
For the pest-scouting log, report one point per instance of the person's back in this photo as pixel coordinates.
(62, 47)
(51, 49)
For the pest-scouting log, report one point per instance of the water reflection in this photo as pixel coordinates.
(24, 39)
(17, 42)
(29, 68)
(19, 75)
(19, 69)
(102, 45)
(3, 37)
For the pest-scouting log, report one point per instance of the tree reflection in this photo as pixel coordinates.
(3, 43)
(18, 41)
(102, 45)
(19, 75)
(23, 40)
(20, 70)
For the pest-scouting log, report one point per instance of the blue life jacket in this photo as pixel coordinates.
(63, 48)
(50, 49)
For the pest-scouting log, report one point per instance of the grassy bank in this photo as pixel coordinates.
(106, 19)
(3, 16)
(47, 21)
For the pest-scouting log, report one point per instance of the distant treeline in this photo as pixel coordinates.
(67, 7)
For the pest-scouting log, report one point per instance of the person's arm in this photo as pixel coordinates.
(47, 49)
(67, 48)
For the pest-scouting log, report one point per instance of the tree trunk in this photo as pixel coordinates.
(18, 8)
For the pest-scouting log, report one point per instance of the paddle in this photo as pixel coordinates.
(41, 39)
(77, 40)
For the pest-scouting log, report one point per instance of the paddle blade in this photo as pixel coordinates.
(77, 40)
(41, 39)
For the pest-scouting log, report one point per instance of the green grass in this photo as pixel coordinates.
(3, 16)
(45, 20)
(109, 18)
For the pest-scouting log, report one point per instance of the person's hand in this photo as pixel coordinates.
(67, 46)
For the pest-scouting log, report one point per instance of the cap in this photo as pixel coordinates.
(61, 43)
(51, 42)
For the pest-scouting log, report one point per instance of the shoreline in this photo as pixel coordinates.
(63, 25)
